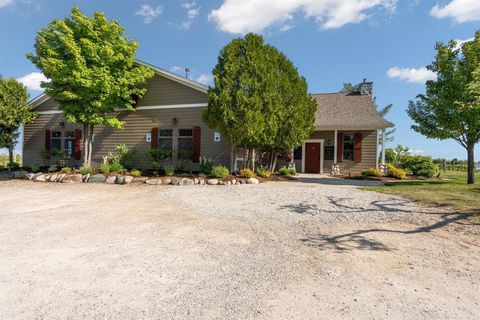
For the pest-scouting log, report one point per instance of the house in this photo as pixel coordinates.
(169, 116)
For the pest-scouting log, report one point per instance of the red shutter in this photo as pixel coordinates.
(47, 141)
(154, 141)
(78, 143)
(357, 156)
(196, 144)
(339, 147)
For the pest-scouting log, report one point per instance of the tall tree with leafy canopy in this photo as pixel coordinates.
(91, 65)
(13, 112)
(450, 108)
(259, 100)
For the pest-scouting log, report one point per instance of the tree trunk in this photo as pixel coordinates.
(90, 145)
(10, 154)
(253, 159)
(275, 157)
(85, 144)
(232, 157)
(471, 163)
(245, 157)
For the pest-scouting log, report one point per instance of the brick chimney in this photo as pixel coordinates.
(366, 87)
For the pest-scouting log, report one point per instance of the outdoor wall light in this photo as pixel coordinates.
(174, 121)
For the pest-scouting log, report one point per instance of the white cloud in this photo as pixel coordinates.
(461, 42)
(176, 69)
(148, 12)
(411, 75)
(32, 80)
(192, 12)
(4, 3)
(205, 79)
(418, 152)
(243, 16)
(458, 10)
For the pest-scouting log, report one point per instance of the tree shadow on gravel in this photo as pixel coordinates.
(357, 240)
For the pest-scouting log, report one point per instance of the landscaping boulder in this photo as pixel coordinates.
(154, 181)
(60, 177)
(86, 177)
(53, 177)
(196, 181)
(176, 181)
(252, 181)
(40, 178)
(22, 174)
(166, 180)
(66, 179)
(75, 177)
(186, 182)
(127, 179)
(212, 182)
(97, 178)
(111, 179)
(140, 179)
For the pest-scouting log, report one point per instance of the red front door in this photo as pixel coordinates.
(312, 157)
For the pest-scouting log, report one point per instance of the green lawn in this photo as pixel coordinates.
(452, 192)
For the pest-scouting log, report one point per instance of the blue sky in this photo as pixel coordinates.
(331, 42)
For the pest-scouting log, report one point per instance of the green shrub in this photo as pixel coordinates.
(395, 172)
(122, 155)
(53, 168)
(66, 170)
(34, 168)
(220, 172)
(427, 173)
(419, 165)
(85, 170)
(263, 172)
(105, 168)
(206, 165)
(116, 167)
(246, 173)
(169, 170)
(372, 172)
(14, 165)
(158, 157)
(136, 173)
(284, 171)
(202, 175)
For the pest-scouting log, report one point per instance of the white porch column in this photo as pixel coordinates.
(335, 143)
(383, 147)
(377, 154)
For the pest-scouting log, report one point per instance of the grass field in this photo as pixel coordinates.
(453, 191)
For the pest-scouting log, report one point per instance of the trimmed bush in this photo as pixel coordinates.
(246, 173)
(34, 168)
(122, 155)
(116, 167)
(105, 168)
(169, 170)
(206, 165)
(395, 172)
(53, 168)
(284, 171)
(66, 170)
(220, 172)
(372, 172)
(136, 173)
(85, 170)
(263, 172)
(419, 165)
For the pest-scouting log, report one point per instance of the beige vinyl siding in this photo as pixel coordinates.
(369, 151)
(138, 125)
(48, 105)
(163, 91)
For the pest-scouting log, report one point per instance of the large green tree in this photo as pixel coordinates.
(91, 65)
(450, 108)
(259, 101)
(13, 112)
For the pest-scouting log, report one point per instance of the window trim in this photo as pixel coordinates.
(352, 142)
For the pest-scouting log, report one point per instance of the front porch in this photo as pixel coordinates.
(338, 151)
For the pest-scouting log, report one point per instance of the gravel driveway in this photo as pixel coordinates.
(290, 250)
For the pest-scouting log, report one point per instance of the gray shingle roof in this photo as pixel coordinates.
(347, 110)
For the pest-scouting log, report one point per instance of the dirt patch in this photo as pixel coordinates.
(285, 250)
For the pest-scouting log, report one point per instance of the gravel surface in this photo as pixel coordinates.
(290, 250)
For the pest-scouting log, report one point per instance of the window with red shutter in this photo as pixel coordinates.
(358, 147)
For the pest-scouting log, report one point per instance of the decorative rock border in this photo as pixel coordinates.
(100, 178)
